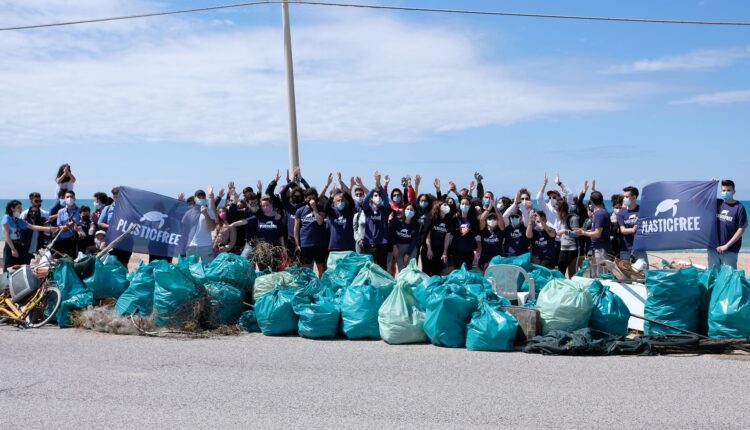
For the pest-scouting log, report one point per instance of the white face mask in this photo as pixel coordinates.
(376, 200)
(553, 202)
(17, 213)
(625, 202)
(70, 201)
(492, 223)
(445, 209)
(98, 243)
(98, 205)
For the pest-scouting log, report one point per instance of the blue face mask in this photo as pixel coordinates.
(423, 204)
(486, 202)
(200, 202)
(409, 214)
(341, 205)
(726, 195)
(516, 221)
(61, 201)
(396, 198)
(465, 208)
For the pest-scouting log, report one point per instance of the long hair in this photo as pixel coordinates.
(9, 207)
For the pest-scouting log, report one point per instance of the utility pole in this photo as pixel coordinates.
(293, 145)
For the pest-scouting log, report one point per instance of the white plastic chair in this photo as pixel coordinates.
(504, 280)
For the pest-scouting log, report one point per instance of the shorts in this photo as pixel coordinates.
(314, 254)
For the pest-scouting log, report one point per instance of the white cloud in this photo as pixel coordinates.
(361, 77)
(721, 97)
(695, 60)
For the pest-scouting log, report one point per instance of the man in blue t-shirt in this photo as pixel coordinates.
(731, 225)
(600, 228)
(627, 219)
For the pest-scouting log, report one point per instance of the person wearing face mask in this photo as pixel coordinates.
(267, 225)
(224, 235)
(15, 249)
(521, 205)
(491, 228)
(59, 204)
(403, 233)
(200, 243)
(35, 215)
(86, 235)
(376, 209)
(542, 237)
(397, 201)
(465, 231)
(340, 218)
(615, 235)
(424, 218)
(438, 239)
(515, 242)
(599, 232)
(99, 243)
(627, 220)
(731, 225)
(70, 217)
(310, 233)
(567, 261)
(359, 221)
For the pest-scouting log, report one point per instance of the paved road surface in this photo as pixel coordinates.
(78, 379)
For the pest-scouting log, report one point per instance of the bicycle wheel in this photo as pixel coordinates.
(46, 310)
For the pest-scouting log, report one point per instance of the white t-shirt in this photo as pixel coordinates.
(202, 235)
(65, 186)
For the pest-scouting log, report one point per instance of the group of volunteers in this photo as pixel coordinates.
(467, 226)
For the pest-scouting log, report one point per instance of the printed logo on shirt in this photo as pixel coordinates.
(341, 220)
(724, 216)
(268, 225)
(404, 233)
(516, 234)
(440, 228)
(491, 239)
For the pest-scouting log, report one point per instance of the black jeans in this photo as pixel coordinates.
(565, 262)
(432, 266)
(461, 258)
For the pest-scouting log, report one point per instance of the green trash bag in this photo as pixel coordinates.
(610, 313)
(319, 315)
(140, 294)
(74, 294)
(706, 280)
(248, 322)
(523, 260)
(275, 312)
(541, 276)
(349, 256)
(304, 278)
(224, 305)
(399, 319)
(427, 289)
(674, 297)
(564, 305)
(177, 298)
(361, 301)
(584, 267)
(107, 281)
(491, 328)
(729, 316)
(197, 269)
(232, 269)
(449, 310)
(267, 283)
(411, 275)
(342, 274)
(473, 281)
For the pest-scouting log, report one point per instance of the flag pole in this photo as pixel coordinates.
(293, 144)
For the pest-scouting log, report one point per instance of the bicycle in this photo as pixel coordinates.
(36, 305)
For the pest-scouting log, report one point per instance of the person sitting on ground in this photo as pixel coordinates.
(14, 250)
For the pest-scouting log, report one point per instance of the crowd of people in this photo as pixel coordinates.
(467, 226)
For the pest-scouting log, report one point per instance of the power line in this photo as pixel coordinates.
(385, 7)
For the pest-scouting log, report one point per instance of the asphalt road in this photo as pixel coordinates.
(56, 378)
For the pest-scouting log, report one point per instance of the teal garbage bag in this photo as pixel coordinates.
(541, 276)
(427, 288)
(564, 305)
(74, 294)
(225, 304)
(729, 315)
(177, 298)
(610, 314)
(232, 269)
(399, 319)
(140, 293)
(248, 322)
(342, 274)
(304, 278)
(319, 315)
(491, 328)
(361, 301)
(674, 297)
(411, 275)
(275, 312)
(473, 281)
(349, 256)
(108, 281)
(267, 283)
(197, 268)
(449, 310)
(706, 280)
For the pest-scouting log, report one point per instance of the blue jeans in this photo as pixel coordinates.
(726, 259)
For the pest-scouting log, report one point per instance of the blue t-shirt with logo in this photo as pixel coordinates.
(628, 218)
(341, 228)
(601, 219)
(15, 225)
(403, 233)
(311, 234)
(492, 243)
(267, 228)
(543, 246)
(438, 231)
(515, 243)
(731, 217)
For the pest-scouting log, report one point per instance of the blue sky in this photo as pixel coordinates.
(178, 103)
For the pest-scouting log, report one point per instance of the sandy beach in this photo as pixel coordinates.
(698, 258)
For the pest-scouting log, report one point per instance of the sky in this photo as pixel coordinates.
(176, 103)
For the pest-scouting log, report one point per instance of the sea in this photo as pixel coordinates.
(90, 203)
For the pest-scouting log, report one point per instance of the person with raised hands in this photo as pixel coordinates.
(310, 233)
(200, 243)
(465, 231)
(542, 237)
(404, 235)
(340, 210)
(491, 228)
(376, 209)
(438, 238)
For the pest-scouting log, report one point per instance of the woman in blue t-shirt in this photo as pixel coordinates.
(340, 219)
(376, 209)
(15, 250)
(404, 234)
(465, 231)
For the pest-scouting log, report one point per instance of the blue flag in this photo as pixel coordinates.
(163, 225)
(677, 215)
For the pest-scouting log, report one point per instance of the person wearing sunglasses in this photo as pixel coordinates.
(14, 252)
